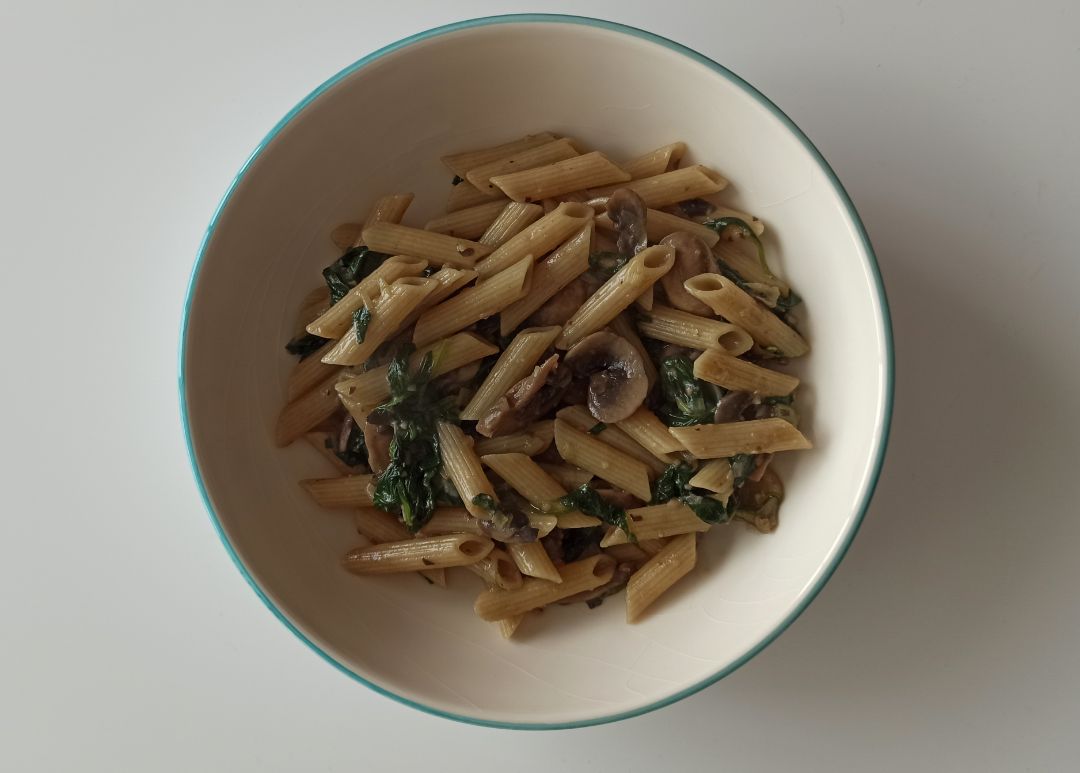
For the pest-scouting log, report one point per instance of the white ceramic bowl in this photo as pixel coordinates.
(380, 126)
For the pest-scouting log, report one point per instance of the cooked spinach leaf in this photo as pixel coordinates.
(597, 428)
(588, 500)
(354, 452)
(674, 483)
(604, 264)
(305, 345)
(741, 467)
(411, 484)
(458, 180)
(784, 303)
(346, 272)
(685, 400)
(361, 318)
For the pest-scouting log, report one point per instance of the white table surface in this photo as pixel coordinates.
(947, 640)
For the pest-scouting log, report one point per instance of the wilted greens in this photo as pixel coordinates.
(674, 483)
(346, 272)
(685, 400)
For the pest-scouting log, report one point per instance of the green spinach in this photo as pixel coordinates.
(605, 264)
(784, 303)
(305, 345)
(597, 428)
(685, 400)
(355, 453)
(588, 500)
(346, 272)
(674, 483)
(361, 318)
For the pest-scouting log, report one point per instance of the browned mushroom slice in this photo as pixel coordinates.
(562, 306)
(627, 211)
(527, 400)
(692, 257)
(617, 380)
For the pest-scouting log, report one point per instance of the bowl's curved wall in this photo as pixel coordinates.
(381, 128)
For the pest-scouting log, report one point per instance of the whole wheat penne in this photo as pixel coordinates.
(462, 466)
(337, 319)
(576, 520)
(297, 417)
(538, 239)
(380, 527)
(418, 554)
(448, 281)
(312, 307)
(628, 553)
(543, 523)
(541, 155)
(346, 235)
(468, 223)
(732, 373)
(715, 475)
(671, 187)
(543, 430)
(472, 304)
(388, 314)
(534, 593)
(324, 444)
(652, 546)
(508, 625)
(514, 443)
(733, 303)
(616, 294)
(465, 195)
(533, 561)
(550, 276)
(586, 171)
(451, 520)
(515, 217)
(656, 521)
(660, 224)
(436, 248)
(650, 433)
(603, 461)
(363, 392)
(347, 491)
(461, 163)
(530, 480)
(659, 573)
(692, 331)
(498, 570)
(756, 436)
(514, 364)
(567, 476)
(741, 255)
(310, 371)
(388, 209)
(663, 159)
(580, 418)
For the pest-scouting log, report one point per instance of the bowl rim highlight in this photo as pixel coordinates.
(887, 364)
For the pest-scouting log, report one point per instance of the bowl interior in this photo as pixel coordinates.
(381, 128)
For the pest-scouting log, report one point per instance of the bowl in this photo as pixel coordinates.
(380, 126)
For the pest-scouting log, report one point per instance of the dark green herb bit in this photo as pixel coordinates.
(305, 345)
(685, 400)
(346, 272)
(361, 318)
(785, 302)
(605, 263)
(355, 453)
(588, 500)
(741, 467)
(577, 541)
(674, 483)
(597, 428)
(411, 484)
(458, 180)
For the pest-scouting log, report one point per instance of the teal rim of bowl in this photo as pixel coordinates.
(886, 324)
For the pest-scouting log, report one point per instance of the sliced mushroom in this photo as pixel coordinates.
(627, 211)
(730, 406)
(562, 305)
(527, 400)
(617, 380)
(377, 440)
(692, 257)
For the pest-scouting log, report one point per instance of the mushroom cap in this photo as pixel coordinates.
(617, 380)
(692, 257)
(627, 211)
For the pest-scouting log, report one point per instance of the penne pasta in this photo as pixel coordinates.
(347, 491)
(616, 294)
(741, 255)
(448, 281)
(324, 442)
(514, 218)
(363, 392)
(580, 418)
(650, 433)
(310, 371)
(418, 554)
(543, 430)
(508, 625)
(659, 573)
(541, 155)
(462, 466)
(451, 520)
(719, 210)
(469, 223)
(756, 436)
(715, 475)
(733, 303)
(533, 561)
(538, 239)
(380, 527)
(303, 413)
(516, 443)
(465, 195)
(628, 553)
(732, 373)
(550, 276)
(346, 235)
(603, 461)
(461, 163)
(663, 190)
(387, 209)
(692, 331)
(388, 314)
(473, 304)
(534, 593)
(566, 475)
(663, 159)
(573, 174)
(434, 247)
(514, 364)
(498, 570)
(337, 319)
(660, 224)
(530, 480)
(655, 522)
